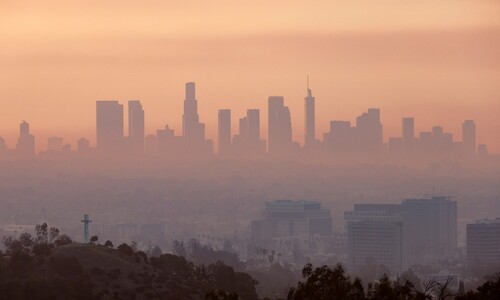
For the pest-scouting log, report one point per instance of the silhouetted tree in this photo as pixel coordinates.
(178, 264)
(490, 290)
(22, 244)
(42, 233)
(53, 235)
(204, 254)
(384, 289)
(62, 240)
(156, 251)
(325, 283)
(126, 249)
(410, 275)
(42, 249)
(94, 239)
(221, 295)
(178, 248)
(225, 278)
(108, 244)
(143, 255)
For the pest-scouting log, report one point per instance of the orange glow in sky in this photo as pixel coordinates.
(436, 61)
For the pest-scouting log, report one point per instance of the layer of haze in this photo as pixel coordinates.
(436, 61)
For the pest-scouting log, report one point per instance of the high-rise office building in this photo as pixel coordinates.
(469, 137)
(341, 138)
(243, 129)
(408, 134)
(109, 126)
(168, 143)
(224, 127)
(483, 246)
(369, 132)
(151, 145)
(3, 145)
(192, 130)
(279, 126)
(285, 218)
(135, 126)
(310, 117)
(427, 228)
(395, 146)
(374, 236)
(240, 141)
(437, 139)
(425, 142)
(26, 141)
(247, 142)
(253, 117)
(430, 228)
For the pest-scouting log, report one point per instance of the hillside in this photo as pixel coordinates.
(87, 271)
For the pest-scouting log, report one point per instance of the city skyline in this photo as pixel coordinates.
(424, 60)
(250, 149)
(135, 110)
(363, 139)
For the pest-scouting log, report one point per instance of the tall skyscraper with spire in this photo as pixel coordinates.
(310, 117)
(192, 130)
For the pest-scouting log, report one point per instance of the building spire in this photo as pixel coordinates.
(308, 89)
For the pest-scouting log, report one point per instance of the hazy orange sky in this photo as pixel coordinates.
(438, 61)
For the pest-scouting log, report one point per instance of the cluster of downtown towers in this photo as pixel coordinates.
(364, 139)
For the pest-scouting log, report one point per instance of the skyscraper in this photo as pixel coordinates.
(469, 137)
(374, 235)
(26, 141)
(437, 139)
(369, 132)
(168, 143)
(192, 130)
(428, 232)
(253, 117)
(286, 218)
(483, 245)
(408, 134)
(109, 126)
(136, 126)
(279, 126)
(247, 142)
(310, 117)
(430, 228)
(224, 126)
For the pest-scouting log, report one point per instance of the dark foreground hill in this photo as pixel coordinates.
(51, 266)
(87, 271)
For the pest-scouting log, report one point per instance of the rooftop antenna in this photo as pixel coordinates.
(86, 222)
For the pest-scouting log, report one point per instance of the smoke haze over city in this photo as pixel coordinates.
(249, 150)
